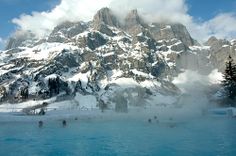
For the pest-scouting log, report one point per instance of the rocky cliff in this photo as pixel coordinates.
(106, 59)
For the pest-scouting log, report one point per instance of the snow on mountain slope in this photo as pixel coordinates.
(102, 63)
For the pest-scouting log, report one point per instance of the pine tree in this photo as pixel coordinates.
(229, 81)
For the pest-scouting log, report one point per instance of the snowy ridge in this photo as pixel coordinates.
(100, 65)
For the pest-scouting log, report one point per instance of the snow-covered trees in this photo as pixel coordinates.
(229, 81)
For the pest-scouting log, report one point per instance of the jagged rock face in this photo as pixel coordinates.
(216, 44)
(105, 30)
(105, 16)
(145, 38)
(92, 40)
(162, 31)
(132, 19)
(182, 34)
(179, 47)
(65, 31)
(90, 56)
(219, 57)
(51, 68)
(20, 39)
(169, 32)
(69, 59)
(13, 43)
(220, 49)
(159, 69)
(133, 23)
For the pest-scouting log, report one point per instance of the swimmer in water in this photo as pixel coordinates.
(155, 117)
(64, 123)
(150, 120)
(40, 124)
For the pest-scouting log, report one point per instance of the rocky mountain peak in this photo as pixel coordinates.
(66, 30)
(220, 49)
(105, 16)
(133, 13)
(216, 44)
(20, 39)
(98, 56)
(182, 33)
(134, 24)
(169, 32)
(211, 40)
(133, 19)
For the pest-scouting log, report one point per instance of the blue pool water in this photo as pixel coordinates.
(207, 136)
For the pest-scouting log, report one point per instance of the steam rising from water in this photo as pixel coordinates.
(195, 88)
(191, 104)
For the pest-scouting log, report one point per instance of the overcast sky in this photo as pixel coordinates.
(203, 18)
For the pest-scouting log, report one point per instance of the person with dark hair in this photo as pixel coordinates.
(40, 124)
(150, 120)
(42, 111)
(155, 118)
(64, 123)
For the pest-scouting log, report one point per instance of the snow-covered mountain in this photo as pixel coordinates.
(106, 63)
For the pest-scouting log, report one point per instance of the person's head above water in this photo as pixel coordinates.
(149, 120)
(64, 123)
(40, 123)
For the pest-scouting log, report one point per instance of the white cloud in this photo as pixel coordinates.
(155, 10)
(222, 26)
(41, 23)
